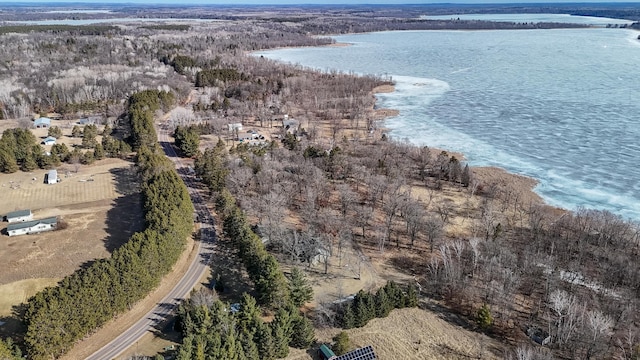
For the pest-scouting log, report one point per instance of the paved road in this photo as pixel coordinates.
(200, 264)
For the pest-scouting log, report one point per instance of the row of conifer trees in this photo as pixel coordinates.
(57, 317)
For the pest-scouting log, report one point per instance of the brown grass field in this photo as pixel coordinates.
(412, 334)
(93, 211)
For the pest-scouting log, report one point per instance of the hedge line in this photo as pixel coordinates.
(59, 316)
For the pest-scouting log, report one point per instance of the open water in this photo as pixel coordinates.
(561, 106)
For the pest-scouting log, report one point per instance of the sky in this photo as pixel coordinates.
(299, 2)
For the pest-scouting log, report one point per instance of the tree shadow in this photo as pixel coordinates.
(313, 351)
(11, 326)
(164, 326)
(125, 216)
(227, 267)
(447, 314)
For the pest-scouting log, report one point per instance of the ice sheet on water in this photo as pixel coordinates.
(547, 103)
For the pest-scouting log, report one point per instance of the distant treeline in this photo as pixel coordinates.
(59, 316)
(367, 25)
(170, 27)
(55, 29)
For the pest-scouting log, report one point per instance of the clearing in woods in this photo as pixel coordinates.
(100, 205)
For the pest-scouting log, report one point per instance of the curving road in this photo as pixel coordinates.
(197, 268)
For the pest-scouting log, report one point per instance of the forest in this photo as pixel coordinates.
(518, 270)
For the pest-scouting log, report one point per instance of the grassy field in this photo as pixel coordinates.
(98, 203)
(413, 334)
(19, 291)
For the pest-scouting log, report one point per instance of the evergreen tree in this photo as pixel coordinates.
(300, 291)
(412, 296)
(98, 152)
(382, 303)
(76, 132)
(88, 158)
(264, 341)
(465, 178)
(362, 310)
(249, 315)
(8, 162)
(484, 318)
(9, 350)
(281, 331)
(249, 346)
(303, 334)
(29, 164)
(107, 130)
(61, 151)
(348, 320)
(269, 280)
(187, 140)
(25, 142)
(55, 132)
(89, 136)
(341, 343)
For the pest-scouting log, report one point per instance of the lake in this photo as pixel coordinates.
(561, 106)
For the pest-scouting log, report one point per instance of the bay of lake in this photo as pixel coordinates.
(561, 106)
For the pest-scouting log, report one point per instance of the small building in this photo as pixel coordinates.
(42, 122)
(91, 120)
(32, 227)
(234, 127)
(49, 140)
(54, 116)
(52, 176)
(18, 216)
(290, 125)
(325, 353)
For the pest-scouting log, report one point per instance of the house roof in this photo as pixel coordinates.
(19, 213)
(28, 224)
(326, 352)
(49, 138)
(365, 353)
(42, 120)
(52, 175)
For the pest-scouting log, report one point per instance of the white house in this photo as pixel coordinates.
(20, 215)
(32, 227)
(49, 140)
(52, 176)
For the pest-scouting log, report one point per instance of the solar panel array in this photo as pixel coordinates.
(365, 353)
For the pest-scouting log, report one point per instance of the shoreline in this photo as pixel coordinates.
(556, 192)
(523, 185)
